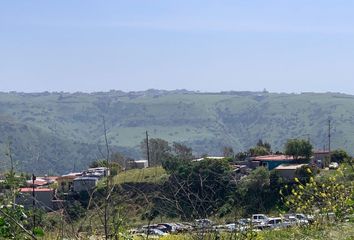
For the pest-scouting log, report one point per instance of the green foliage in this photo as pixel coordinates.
(258, 151)
(37, 231)
(173, 163)
(241, 156)
(74, 210)
(195, 189)
(339, 156)
(182, 151)
(8, 228)
(299, 148)
(114, 167)
(147, 175)
(159, 150)
(322, 196)
(228, 152)
(258, 191)
(14, 219)
(266, 145)
(305, 173)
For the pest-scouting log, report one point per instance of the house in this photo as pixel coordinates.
(321, 158)
(65, 182)
(140, 164)
(271, 161)
(84, 184)
(288, 171)
(43, 198)
(98, 172)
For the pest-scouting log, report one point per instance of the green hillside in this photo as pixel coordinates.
(59, 132)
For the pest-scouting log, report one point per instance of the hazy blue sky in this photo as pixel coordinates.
(83, 45)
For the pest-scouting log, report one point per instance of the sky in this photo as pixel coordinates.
(133, 45)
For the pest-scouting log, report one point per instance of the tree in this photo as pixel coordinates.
(241, 156)
(254, 191)
(305, 173)
(182, 151)
(228, 152)
(119, 158)
(322, 196)
(195, 189)
(266, 145)
(159, 150)
(339, 156)
(298, 148)
(258, 151)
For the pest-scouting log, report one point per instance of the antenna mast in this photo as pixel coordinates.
(147, 148)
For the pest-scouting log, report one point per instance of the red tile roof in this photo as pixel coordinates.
(38, 182)
(36, 190)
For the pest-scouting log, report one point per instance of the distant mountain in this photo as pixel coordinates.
(59, 132)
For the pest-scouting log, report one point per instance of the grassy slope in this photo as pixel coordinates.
(72, 123)
(147, 175)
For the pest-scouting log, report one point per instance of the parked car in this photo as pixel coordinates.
(333, 165)
(203, 223)
(304, 218)
(244, 221)
(220, 227)
(236, 227)
(296, 219)
(163, 228)
(184, 227)
(293, 220)
(276, 222)
(259, 219)
(157, 232)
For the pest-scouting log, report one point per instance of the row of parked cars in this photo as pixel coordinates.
(163, 229)
(257, 222)
(262, 221)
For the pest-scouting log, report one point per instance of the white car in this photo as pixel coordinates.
(203, 223)
(333, 165)
(276, 222)
(259, 219)
(235, 227)
(304, 219)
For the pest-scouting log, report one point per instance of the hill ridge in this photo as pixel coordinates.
(205, 121)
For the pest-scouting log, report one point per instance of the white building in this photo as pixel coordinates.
(84, 184)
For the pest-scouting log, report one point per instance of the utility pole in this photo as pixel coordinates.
(329, 136)
(147, 148)
(33, 204)
(106, 199)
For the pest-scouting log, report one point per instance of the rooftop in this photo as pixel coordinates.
(70, 176)
(38, 182)
(201, 159)
(36, 190)
(290, 166)
(321, 152)
(272, 158)
(86, 179)
(140, 161)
